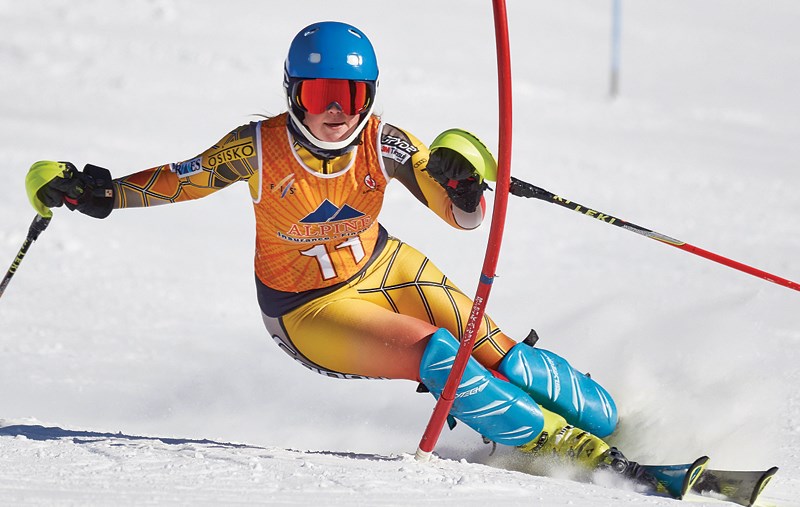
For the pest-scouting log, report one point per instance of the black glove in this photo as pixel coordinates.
(89, 192)
(454, 172)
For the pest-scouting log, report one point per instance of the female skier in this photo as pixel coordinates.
(336, 291)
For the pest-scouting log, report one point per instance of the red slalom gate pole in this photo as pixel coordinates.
(445, 402)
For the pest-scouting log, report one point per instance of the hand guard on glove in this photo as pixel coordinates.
(458, 177)
(88, 191)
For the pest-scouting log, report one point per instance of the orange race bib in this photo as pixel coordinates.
(314, 230)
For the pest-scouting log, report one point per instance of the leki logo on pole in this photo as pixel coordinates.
(38, 225)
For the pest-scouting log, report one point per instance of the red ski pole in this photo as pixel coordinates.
(445, 402)
(524, 189)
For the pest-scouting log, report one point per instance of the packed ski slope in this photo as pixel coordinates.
(134, 367)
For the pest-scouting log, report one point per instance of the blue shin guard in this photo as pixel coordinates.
(494, 408)
(553, 383)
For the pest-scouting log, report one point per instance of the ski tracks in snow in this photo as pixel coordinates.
(56, 466)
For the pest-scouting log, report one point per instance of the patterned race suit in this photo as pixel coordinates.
(337, 292)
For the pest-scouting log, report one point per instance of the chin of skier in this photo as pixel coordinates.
(337, 292)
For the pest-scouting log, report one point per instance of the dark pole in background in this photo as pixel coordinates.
(616, 30)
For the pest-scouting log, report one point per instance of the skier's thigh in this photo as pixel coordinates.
(361, 338)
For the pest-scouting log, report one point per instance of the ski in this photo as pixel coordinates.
(677, 480)
(741, 487)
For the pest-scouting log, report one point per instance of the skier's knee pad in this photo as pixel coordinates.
(557, 386)
(496, 409)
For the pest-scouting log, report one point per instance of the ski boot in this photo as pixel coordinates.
(567, 445)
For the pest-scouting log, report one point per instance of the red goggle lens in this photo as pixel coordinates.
(317, 95)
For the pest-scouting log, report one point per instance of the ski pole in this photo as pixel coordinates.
(523, 189)
(38, 225)
(447, 397)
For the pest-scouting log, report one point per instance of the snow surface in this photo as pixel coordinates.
(135, 368)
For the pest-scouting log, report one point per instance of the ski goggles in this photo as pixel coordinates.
(316, 96)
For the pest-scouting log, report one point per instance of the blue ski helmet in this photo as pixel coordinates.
(328, 50)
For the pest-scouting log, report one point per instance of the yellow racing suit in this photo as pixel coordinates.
(336, 292)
